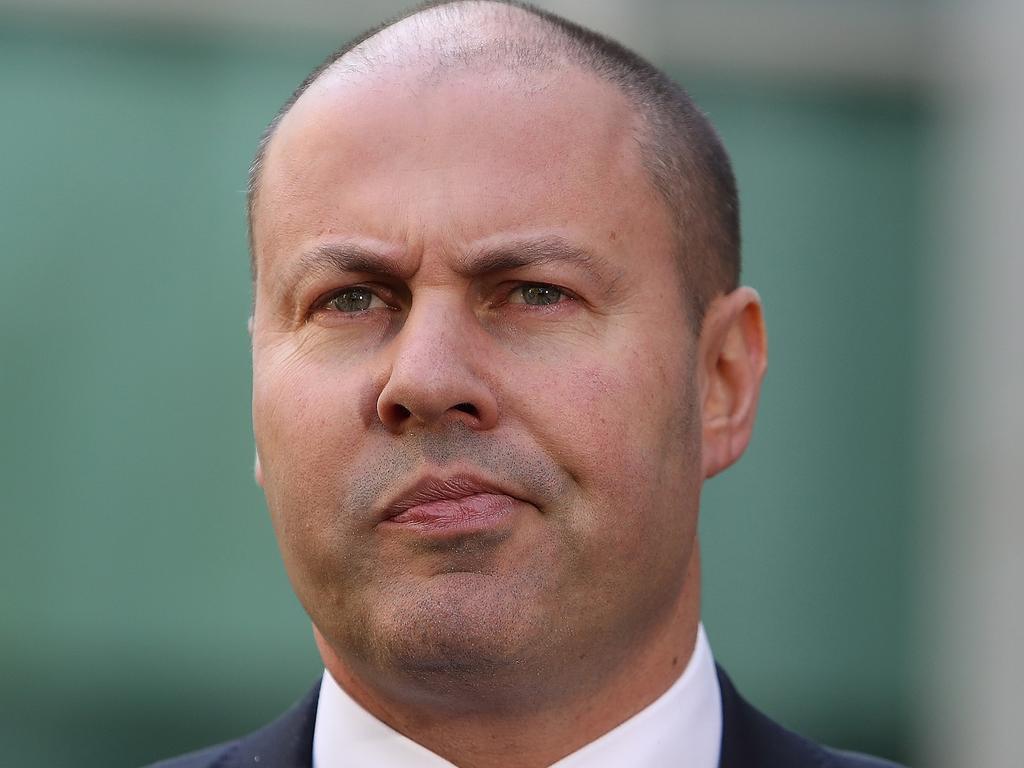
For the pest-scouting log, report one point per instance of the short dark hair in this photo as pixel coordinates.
(680, 149)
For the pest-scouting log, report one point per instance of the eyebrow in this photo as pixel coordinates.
(506, 256)
(333, 258)
(336, 259)
(536, 251)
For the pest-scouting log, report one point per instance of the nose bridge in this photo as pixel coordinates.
(434, 372)
(430, 334)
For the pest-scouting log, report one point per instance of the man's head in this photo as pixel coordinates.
(482, 409)
(679, 148)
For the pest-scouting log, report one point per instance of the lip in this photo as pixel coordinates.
(455, 504)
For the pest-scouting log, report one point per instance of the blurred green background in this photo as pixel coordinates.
(144, 608)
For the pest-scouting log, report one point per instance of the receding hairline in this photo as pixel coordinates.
(371, 51)
(682, 153)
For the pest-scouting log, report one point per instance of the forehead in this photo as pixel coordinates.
(411, 159)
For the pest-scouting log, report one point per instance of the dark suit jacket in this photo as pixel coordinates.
(749, 740)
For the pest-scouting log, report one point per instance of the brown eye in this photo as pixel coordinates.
(537, 294)
(355, 299)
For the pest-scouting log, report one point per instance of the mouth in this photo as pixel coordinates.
(454, 505)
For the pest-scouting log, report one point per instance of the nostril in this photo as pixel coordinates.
(468, 408)
(401, 412)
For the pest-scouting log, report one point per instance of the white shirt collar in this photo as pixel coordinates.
(682, 728)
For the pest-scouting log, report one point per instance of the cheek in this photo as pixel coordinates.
(624, 426)
(305, 420)
(303, 397)
(613, 418)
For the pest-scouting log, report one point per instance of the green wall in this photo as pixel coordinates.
(144, 610)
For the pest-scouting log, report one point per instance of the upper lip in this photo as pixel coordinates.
(436, 487)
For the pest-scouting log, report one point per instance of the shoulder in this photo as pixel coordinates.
(287, 742)
(750, 739)
(203, 758)
(857, 760)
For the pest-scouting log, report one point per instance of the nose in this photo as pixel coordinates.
(436, 372)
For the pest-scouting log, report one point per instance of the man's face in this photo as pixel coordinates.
(473, 400)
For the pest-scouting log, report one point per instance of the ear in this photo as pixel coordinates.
(257, 467)
(258, 470)
(732, 360)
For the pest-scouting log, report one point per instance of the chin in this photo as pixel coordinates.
(470, 636)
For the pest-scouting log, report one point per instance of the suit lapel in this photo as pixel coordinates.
(751, 740)
(285, 743)
(737, 751)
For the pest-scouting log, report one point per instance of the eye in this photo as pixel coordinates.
(355, 299)
(537, 295)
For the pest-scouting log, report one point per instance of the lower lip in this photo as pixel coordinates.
(479, 513)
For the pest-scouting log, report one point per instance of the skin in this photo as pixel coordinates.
(600, 414)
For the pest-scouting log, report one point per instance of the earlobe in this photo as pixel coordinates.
(733, 359)
(258, 470)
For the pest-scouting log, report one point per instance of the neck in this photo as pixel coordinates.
(534, 734)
